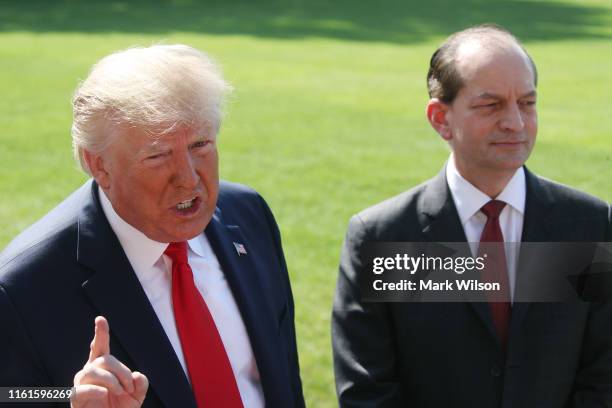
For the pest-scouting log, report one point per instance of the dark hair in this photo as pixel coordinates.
(443, 78)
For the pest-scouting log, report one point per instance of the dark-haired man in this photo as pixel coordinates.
(482, 85)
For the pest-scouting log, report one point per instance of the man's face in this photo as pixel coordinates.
(492, 123)
(166, 188)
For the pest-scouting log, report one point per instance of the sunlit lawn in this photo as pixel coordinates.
(327, 115)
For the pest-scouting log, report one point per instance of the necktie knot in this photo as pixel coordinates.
(177, 251)
(493, 208)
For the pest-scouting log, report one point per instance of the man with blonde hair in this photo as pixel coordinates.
(179, 278)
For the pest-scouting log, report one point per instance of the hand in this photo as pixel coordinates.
(105, 382)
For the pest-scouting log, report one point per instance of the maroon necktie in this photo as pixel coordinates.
(210, 372)
(496, 269)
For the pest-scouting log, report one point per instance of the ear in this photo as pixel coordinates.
(437, 115)
(97, 168)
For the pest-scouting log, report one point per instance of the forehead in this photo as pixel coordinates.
(494, 69)
(135, 138)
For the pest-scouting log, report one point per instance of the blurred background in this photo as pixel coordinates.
(327, 116)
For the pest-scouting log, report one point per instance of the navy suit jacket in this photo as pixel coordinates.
(69, 267)
(432, 355)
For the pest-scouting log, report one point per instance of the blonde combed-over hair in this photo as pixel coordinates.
(156, 89)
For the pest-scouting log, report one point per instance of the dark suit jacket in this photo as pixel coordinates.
(448, 354)
(69, 267)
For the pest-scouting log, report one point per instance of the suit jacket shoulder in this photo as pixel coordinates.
(57, 225)
(556, 212)
(567, 199)
(424, 213)
(394, 217)
(239, 202)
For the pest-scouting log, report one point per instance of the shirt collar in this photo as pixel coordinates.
(200, 245)
(515, 192)
(469, 199)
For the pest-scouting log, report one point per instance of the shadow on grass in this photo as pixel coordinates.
(396, 21)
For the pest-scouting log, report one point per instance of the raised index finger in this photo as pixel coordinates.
(100, 344)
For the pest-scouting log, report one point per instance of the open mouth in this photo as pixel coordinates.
(183, 205)
(188, 207)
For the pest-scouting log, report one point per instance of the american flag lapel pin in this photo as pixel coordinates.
(240, 249)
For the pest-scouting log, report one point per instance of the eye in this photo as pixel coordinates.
(155, 157)
(528, 103)
(487, 105)
(201, 144)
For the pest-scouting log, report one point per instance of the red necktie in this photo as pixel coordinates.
(212, 379)
(496, 269)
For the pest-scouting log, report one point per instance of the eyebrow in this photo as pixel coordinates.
(159, 145)
(488, 95)
(152, 148)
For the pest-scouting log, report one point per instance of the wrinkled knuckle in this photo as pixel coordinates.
(102, 393)
(91, 373)
(99, 361)
(84, 373)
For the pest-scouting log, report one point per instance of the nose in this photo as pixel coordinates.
(186, 175)
(512, 120)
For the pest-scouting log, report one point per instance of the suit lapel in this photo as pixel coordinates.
(444, 225)
(117, 294)
(259, 319)
(536, 228)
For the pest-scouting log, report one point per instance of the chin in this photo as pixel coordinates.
(176, 235)
(185, 235)
(509, 168)
(191, 231)
(188, 236)
(510, 163)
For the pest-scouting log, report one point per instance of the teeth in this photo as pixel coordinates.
(185, 204)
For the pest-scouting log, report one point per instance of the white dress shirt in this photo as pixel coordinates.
(469, 200)
(154, 271)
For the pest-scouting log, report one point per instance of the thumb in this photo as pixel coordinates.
(100, 345)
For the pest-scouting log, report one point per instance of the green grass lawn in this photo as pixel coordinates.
(327, 117)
